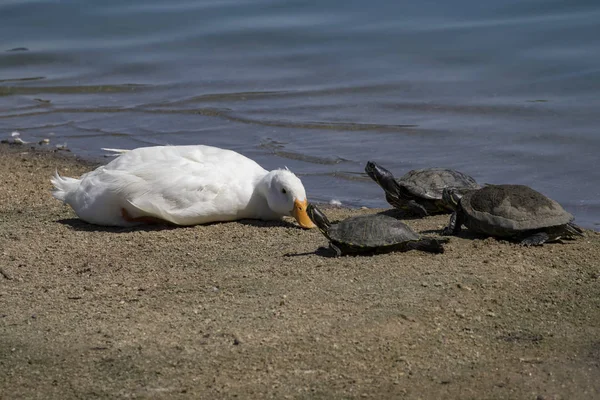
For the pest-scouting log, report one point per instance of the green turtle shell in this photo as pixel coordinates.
(429, 183)
(503, 209)
(371, 231)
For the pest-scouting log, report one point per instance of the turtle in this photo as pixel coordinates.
(420, 191)
(514, 212)
(375, 233)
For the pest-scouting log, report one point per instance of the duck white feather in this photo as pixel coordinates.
(183, 185)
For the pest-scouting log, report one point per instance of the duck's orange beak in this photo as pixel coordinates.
(299, 212)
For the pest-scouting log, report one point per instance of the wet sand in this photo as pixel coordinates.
(255, 310)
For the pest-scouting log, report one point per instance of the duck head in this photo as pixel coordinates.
(286, 196)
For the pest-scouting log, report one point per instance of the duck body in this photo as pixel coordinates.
(182, 185)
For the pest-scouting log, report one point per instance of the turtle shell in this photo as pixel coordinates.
(429, 183)
(371, 231)
(513, 208)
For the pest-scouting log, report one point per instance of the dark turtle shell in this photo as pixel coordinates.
(429, 183)
(497, 209)
(371, 231)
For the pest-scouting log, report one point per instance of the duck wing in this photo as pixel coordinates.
(185, 185)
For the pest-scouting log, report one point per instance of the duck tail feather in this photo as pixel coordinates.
(63, 186)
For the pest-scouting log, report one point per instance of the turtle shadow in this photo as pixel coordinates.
(405, 215)
(321, 252)
(464, 234)
(327, 252)
(399, 214)
(432, 232)
(471, 235)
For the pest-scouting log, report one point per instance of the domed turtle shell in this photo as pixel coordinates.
(371, 231)
(504, 208)
(429, 183)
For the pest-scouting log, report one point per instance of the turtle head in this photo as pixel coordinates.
(382, 176)
(319, 219)
(451, 197)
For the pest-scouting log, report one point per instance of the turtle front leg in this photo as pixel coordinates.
(537, 239)
(417, 209)
(573, 230)
(454, 224)
(338, 252)
(553, 234)
(391, 200)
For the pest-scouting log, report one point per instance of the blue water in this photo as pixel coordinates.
(508, 91)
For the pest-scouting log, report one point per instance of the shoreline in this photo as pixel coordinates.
(95, 161)
(253, 309)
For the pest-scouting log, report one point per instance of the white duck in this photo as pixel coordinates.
(184, 185)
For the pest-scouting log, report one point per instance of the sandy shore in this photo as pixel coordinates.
(253, 310)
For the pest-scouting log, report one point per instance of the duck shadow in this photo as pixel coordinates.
(80, 225)
(268, 224)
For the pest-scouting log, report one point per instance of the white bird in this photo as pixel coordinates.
(183, 185)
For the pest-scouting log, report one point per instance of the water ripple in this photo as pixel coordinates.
(22, 90)
(224, 113)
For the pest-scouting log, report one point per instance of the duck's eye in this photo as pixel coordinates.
(283, 191)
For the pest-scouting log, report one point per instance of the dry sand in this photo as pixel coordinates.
(253, 310)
